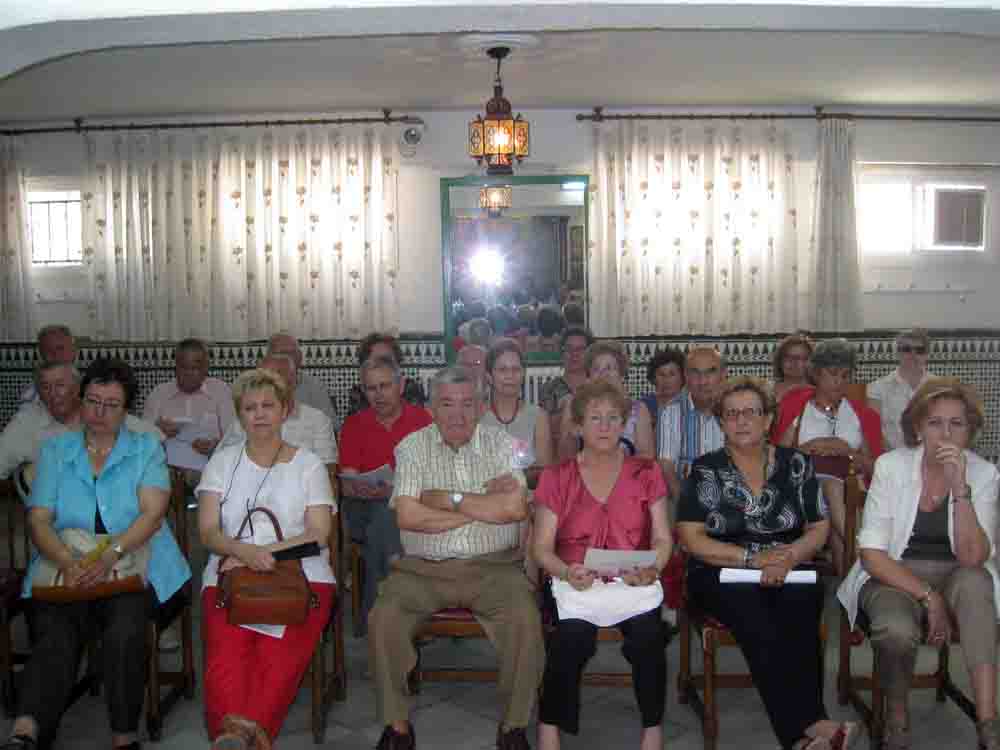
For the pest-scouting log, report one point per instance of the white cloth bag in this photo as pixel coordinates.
(605, 604)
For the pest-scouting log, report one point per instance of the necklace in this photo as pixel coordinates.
(501, 420)
(95, 451)
(765, 463)
(831, 413)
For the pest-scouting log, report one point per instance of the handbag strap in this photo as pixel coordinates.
(274, 522)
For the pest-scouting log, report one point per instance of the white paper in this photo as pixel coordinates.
(613, 562)
(382, 475)
(180, 452)
(745, 575)
(275, 631)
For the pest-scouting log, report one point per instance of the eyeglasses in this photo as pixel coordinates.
(731, 415)
(906, 349)
(97, 405)
(574, 349)
(954, 425)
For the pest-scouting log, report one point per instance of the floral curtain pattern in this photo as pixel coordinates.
(237, 235)
(693, 230)
(835, 272)
(16, 302)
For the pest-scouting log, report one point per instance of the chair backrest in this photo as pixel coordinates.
(854, 504)
(857, 392)
(16, 513)
(336, 528)
(177, 511)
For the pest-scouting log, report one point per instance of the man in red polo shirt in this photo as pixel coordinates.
(368, 441)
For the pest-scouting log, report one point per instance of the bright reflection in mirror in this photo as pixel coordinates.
(486, 267)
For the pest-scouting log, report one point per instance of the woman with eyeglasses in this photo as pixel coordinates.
(791, 364)
(890, 395)
(557, 390)
(252, 674)
(758, 506)
(108, 480)
(926, 560)
(604, 498)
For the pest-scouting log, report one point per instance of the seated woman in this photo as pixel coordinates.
(926, 553)
(665, 372)
(524, 422)
(754, 505)
(251, 678)
(833, 429)
(105, 479)
(607, 360)
(791, 364)
(605, 499)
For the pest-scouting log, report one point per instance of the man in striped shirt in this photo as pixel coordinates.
(460, 505)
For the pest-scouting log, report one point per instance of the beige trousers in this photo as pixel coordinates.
(495, 589)
(898, 621)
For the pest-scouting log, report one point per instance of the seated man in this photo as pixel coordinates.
(193, 410)
(58, 411)
(55, 344)
(382, 345)
(367, 442)
(308, 389)
(305, 426)
(460, 508)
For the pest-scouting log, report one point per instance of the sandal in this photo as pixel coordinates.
(844, 737)
(812, 743)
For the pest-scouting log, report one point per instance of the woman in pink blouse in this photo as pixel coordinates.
(604, 499)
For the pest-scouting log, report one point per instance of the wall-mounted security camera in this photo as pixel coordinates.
(410, 138)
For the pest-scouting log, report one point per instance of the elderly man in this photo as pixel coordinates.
(305, 427)
(687, 427)
(193, 410)
(368, 441)
(55, 344)
(308, 390)
(383, 345)
(890, 395)
(473, 358)
(57, 411)
(460, 510)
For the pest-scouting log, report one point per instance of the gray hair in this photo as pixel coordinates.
(46, 366)
(479, 332)
(457, 375)
(916, 335)
(381, 363)
(54, 328)
(833, 353)
(285, 358)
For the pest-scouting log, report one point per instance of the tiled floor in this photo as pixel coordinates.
(456, 716)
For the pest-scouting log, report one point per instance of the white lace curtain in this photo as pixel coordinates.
(693, 230)
(834, 273)
(16, 323)
(236, 235)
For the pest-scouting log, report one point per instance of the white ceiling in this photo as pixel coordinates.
(563, 70)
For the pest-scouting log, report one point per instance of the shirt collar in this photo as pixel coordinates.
(201, 390)
(126, 444)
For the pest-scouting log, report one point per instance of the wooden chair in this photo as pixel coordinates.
(11, 581)
(357, 587)
(850, 685)
(449, 623)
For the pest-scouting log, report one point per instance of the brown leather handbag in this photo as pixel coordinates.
(276, 597)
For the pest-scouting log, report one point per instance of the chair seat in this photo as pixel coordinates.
(454, 614)
(11, 583)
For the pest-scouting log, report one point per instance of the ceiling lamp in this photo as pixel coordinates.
(498, 138)
(494, 199)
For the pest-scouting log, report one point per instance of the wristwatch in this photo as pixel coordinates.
(118, 550)
(966, 494)
(456, 499)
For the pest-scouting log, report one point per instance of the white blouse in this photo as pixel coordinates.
(286, 489)
(844, 424)
(891, 510)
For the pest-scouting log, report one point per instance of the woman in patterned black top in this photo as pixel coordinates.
(755, 505)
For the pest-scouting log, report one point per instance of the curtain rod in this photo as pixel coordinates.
(598, 116)
(79, 126)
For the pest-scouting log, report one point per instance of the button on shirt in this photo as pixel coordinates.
(67, 486)
(213, 399)
(425, 462)
(893, 393)
(305, 428)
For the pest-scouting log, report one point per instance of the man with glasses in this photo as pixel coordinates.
(56, 344)
(890, 395)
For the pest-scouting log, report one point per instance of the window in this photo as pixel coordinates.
(56, 230)
(909, 209)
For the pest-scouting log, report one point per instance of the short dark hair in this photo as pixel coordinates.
(574, 314)
(191, 345)
(575, 332)
(501, 347)
(550, 322)
(372, 339)
(107, 370)
(668, 356)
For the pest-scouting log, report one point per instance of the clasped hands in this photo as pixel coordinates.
(81, 573)
(252, 556)
(582, 578)
(774, 564)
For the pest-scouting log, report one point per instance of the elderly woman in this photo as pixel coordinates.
(607, 499)
(791, 364)
(926, 556)
(524, 422)
(573, 344)
(835, 430)
(755, 505)
(607, 360)
(665, 372)
(107, 480)
(890, 395)
(252, 676)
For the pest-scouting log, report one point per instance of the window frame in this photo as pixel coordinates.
(54, 185)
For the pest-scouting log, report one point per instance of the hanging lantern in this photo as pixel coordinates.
(494, 199)
(499, 138)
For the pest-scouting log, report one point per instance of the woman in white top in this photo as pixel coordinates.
(252, 673)
(523, 421)
(926, 553)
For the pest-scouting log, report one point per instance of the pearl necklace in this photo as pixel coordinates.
(94, 450)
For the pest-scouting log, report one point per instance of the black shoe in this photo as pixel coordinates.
(512, 739)
(20, 742)
(393, 740)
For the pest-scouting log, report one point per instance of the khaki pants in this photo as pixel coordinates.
(495, 589)
(898, 621)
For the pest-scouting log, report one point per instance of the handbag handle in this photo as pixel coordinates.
(274, 522)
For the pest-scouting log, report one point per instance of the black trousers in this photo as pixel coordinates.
(60, 632)
(571, 646)
(778, 631)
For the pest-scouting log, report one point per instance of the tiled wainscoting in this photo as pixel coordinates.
(973, 356)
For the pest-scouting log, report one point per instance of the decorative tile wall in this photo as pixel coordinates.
(973, 356)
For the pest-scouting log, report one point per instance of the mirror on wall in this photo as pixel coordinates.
(514, 253)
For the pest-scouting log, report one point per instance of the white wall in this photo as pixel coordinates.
(560, 144)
